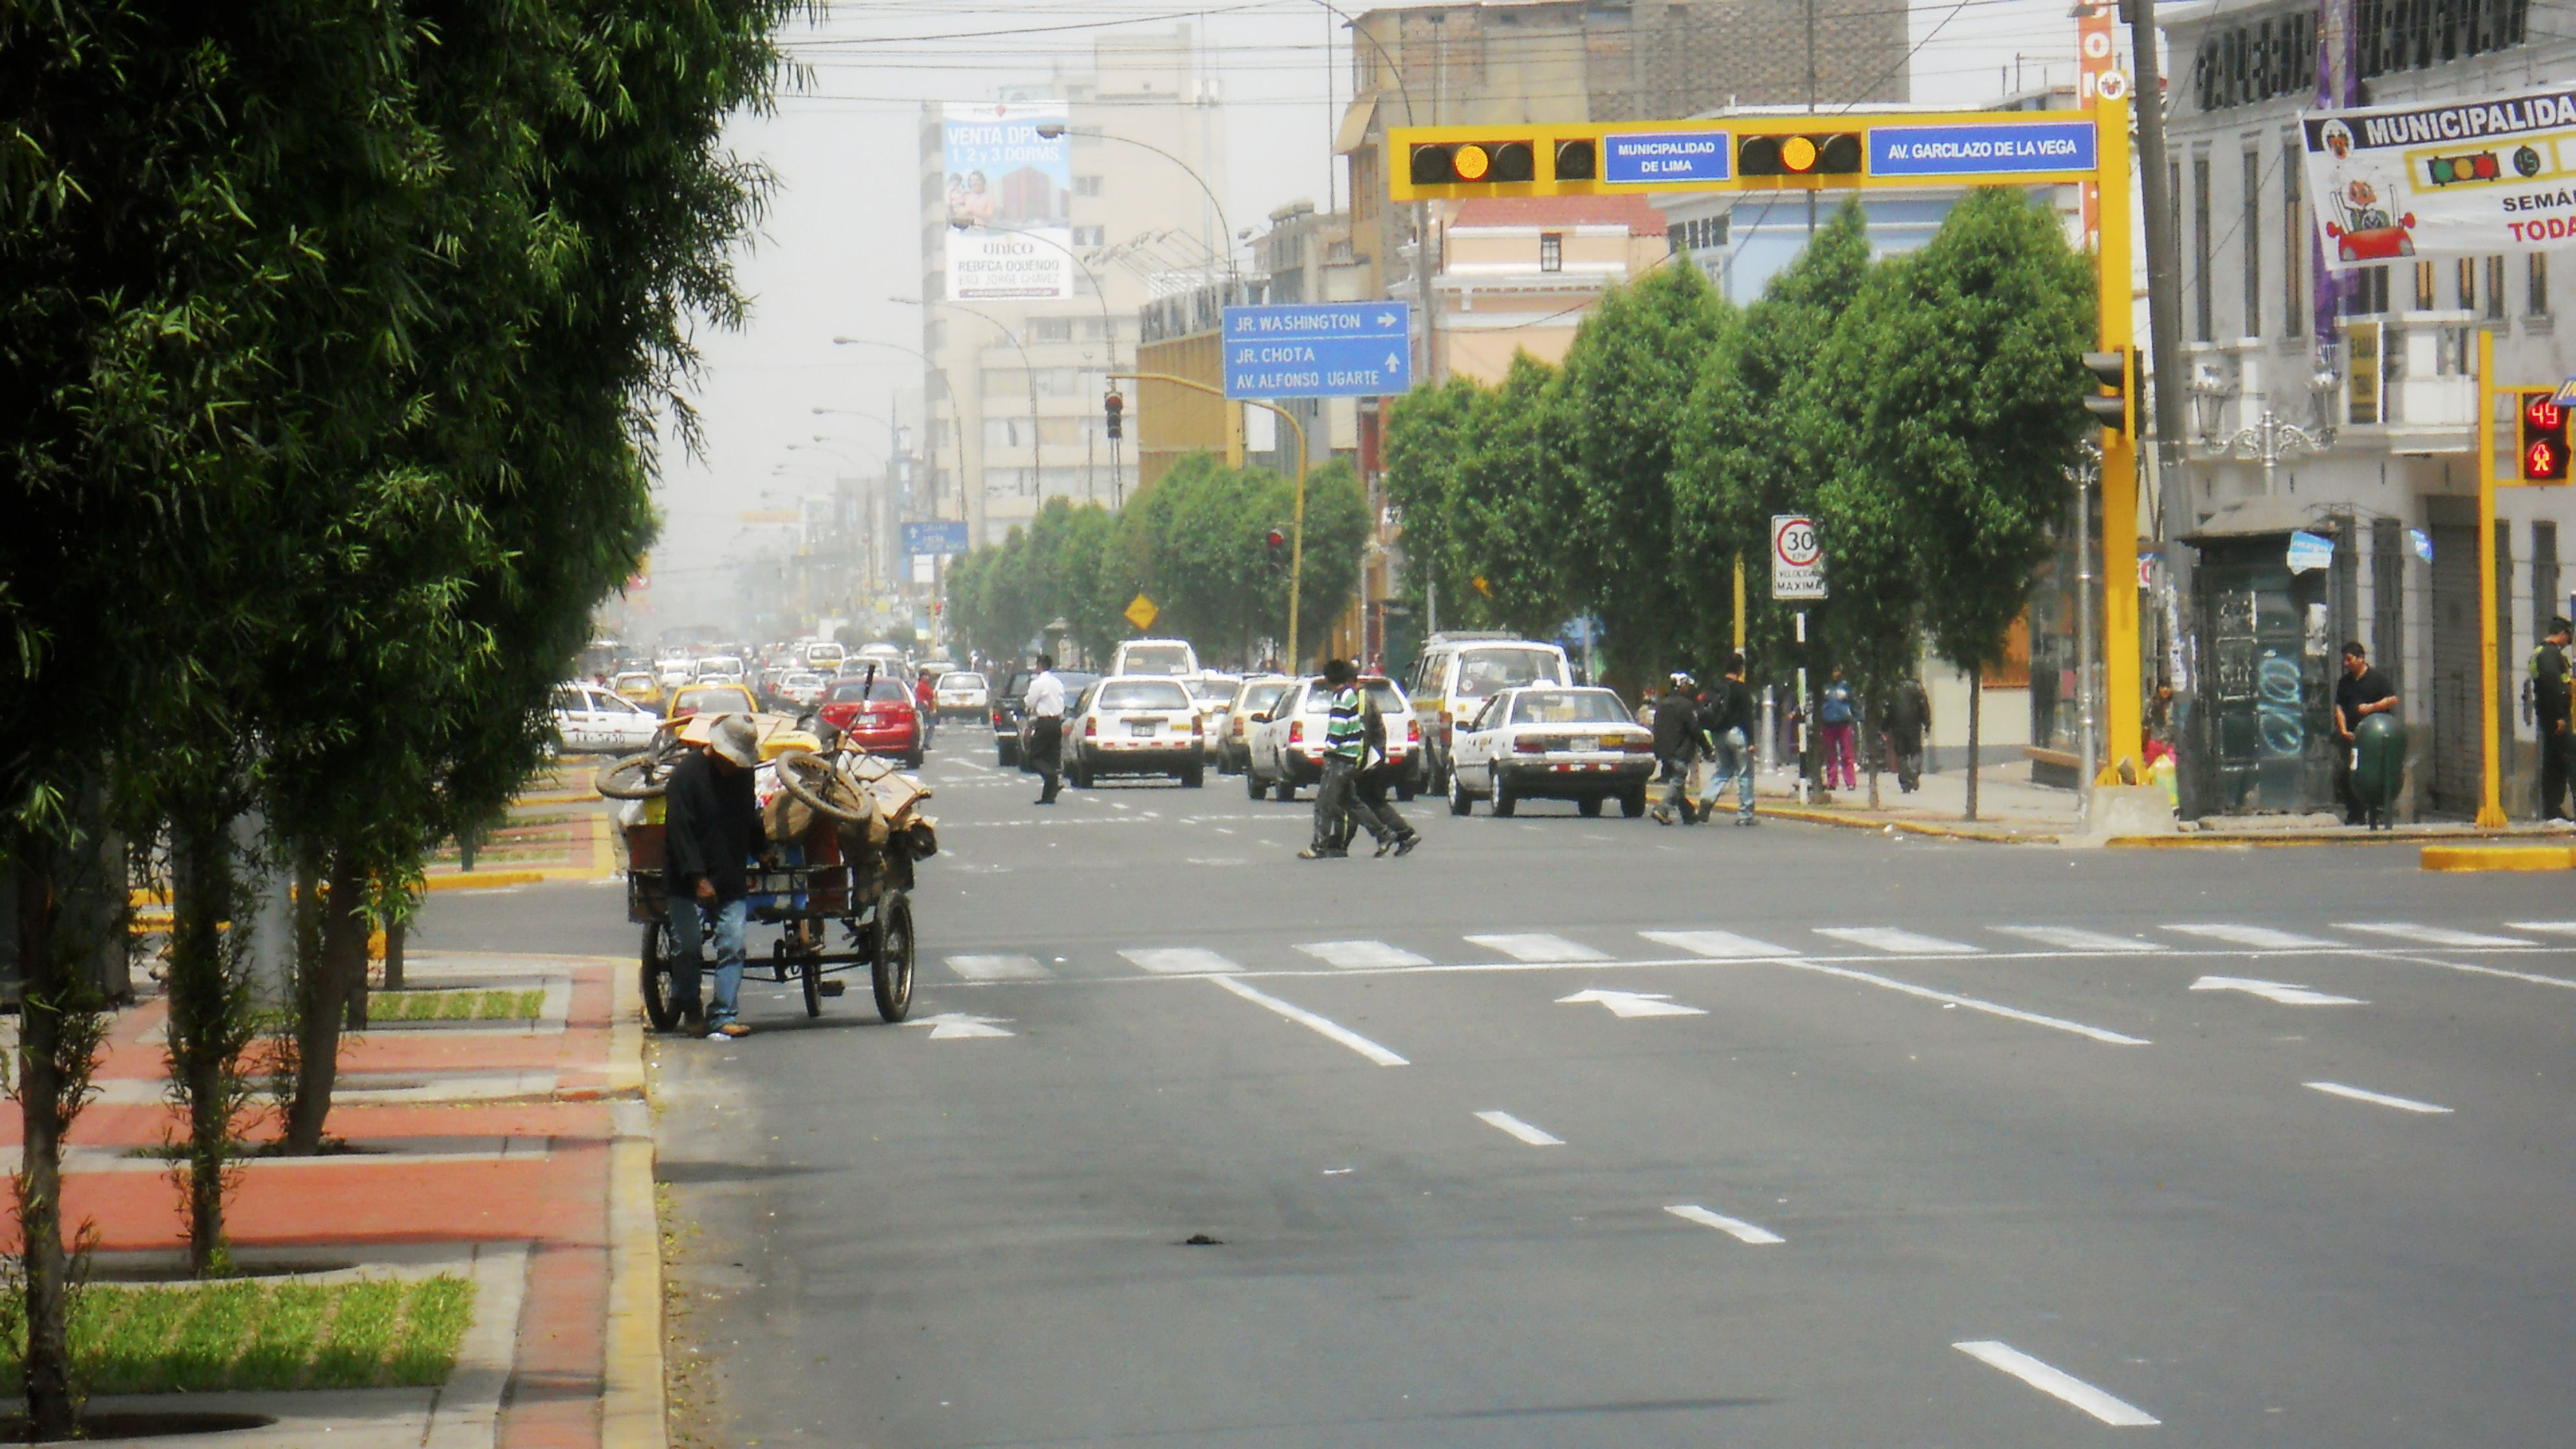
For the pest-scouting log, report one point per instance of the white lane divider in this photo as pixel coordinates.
(1717, 945)
(1990, 1008)
(1737, 1228)
(1632, 1003)
(998, 968)
(1898, 943)
(2423, 935)
(2379, 1099)
(2282, 992)
(1179, 960)
(1537, 946)
(2057, 1383)
(1520, 1129)
(2076, 938)
(1320, 1025)
(2534, 977)
(2261, 938)
(1362, 955)
(2554, 928)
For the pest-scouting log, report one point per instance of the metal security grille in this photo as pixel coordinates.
(2388, 599)
(2457, 758)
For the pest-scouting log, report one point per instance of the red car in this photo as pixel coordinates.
(878, 716)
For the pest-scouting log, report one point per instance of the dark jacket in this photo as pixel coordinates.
(710, 827)
(1729, 707)
(1677, 728)
(1907, 713)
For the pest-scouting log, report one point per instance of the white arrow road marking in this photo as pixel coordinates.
(1632, 1003)
(2116, 1412)
(1742, 1231)
(2281, 991)
(959, 1025)
(2380, 1099)
(1324, 1026)
(1520, 1129)
(1718, 945)
(2433, 935)
(1537, 946)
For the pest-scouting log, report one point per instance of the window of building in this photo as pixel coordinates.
(2425, 300)
(2495, 288)
(1051, 329)
(1091, 236)
(1551, 251)
(2203, 327)
(2252, 62)
(2294, 243)
(2367, 294)
(2466, 270)
(2535, 294)
(1086, 186)
(2249, 232)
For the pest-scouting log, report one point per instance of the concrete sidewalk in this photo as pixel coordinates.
(518, 1153)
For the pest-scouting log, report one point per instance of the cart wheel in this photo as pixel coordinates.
(893, 973)
(813, 967)
(658, 1006)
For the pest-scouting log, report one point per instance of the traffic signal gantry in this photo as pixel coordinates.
(1809, 151)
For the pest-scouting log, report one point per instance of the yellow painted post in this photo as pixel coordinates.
(1739, 603)
(2122, 688)
(2491, 799)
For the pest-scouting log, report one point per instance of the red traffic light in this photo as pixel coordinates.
(2544, 439)
(1277, 539)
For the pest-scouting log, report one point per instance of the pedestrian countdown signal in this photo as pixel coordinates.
(2543, 439)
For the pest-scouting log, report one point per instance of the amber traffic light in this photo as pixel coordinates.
(1447, 163)
(1836, 153)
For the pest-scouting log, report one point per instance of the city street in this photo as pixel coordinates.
(1582, 1131)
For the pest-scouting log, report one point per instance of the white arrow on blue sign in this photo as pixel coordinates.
(1333, 349)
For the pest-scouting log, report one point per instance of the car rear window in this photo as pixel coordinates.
(720, 701)
(1257, 697)
(1319, 699)
(1568, 706)
(1483, 671)
(1157, 659)
(1143, 694)
(854, 691)
(1212, 688)
(961, 681)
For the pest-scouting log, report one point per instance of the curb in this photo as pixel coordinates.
(484, 880)
(633, 1413)
(1909, 827)
(2499, 857)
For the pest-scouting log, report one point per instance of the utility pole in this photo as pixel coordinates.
(2164, 337)
(1811, 102)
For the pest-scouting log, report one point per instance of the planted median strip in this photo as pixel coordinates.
(456, 1005)
(190, 1338)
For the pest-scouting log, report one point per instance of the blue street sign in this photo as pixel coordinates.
(1987, 148)
(1650, 157)
(943, 536)
(1336, 349)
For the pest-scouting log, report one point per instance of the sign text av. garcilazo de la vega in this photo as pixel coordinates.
(2487, 175)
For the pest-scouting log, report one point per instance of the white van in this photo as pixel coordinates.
(1458, 672)
(1167, 657)
(822, 656)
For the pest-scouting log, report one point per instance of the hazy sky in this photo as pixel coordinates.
(841, 234)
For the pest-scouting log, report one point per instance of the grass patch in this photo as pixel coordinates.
(247, 1335)
(456, 1005)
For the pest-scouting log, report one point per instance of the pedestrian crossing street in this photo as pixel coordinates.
(1814, 943)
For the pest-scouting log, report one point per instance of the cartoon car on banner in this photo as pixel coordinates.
(2362, 232)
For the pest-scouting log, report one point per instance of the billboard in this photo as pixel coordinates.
(2493, 174)
(1010, 201)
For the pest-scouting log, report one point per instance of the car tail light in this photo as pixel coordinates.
(1529, 745)
(1198, 727)
(1641, 744)
(1296, 731)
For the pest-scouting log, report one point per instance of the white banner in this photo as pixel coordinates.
(2489, 175)
(1010, 201)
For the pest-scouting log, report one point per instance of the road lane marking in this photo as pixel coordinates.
(2534, 977)
(1719, 945)
(1632, 1003)
(2262, 938)
(998, 968)
(1520, 1129)
(1738, 1228)
(1361, 955)
(2381, 1099)
(1990, 1008)
(1179, 960)
(959, 1025)
(1899, 943)
(2555, 928)
(2076, 938)
(1321, 1025)
(2433, 935)
(2282, 992)
(1536, 946)
(2059, 1384)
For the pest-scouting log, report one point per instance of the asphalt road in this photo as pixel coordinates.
(1687, 1149)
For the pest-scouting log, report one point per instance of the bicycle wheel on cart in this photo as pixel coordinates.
(659, 1007)
(894, 954)
(811, 967)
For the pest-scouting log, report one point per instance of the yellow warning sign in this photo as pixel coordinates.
(1142, 613)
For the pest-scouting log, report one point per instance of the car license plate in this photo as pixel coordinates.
(1142, 726)
(1581, 745)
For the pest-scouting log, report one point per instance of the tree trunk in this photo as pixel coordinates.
(394, 928)
(1976, 712)
(209, 1024)
(46, 981)
(1869, 746)
(323, 1002)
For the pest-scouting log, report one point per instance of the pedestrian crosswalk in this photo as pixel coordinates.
(1612, 946)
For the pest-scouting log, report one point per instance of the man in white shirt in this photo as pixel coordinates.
(1045, 709)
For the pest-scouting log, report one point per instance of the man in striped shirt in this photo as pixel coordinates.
(1345, 744)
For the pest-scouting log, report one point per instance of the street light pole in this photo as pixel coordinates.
(1028, 369)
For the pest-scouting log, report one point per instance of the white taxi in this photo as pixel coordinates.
(1549, 742)
(1134, 725)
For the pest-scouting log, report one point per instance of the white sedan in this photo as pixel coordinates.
(961, 694)
(1286, 747)
(590, 720)
(1553, 743)
(1214, 696)
(1134, 725)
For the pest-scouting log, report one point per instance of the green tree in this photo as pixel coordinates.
(1515, 490)
(1975, 412)
(1426, 434)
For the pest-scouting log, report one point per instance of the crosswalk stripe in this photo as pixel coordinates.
(2260, 937)
(1537, 946)
(1534, 1136)
(2076, 938)
(1899, 943)
(1722, 945)
(1179, 960)
(2555, 928)
(2433, 935)
(1361, 955)
(998, 968)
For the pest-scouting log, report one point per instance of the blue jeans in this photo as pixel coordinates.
(687, 929)
(1733, 758)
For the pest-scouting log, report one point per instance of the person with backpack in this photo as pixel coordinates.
(1841, 720)
(1679, 740)
(1727, 722)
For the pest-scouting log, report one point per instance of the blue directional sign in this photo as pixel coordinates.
(1650, 157)
(943, 536)
(1995, 148)
(1333, 349)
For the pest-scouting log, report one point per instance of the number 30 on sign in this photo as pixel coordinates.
(1797, 558)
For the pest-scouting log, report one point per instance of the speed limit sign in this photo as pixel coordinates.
(1797, 558)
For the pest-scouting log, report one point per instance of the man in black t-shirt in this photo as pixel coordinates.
(2549, 700)
(2362, 692)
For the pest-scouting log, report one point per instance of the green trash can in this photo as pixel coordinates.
(2379, 765)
